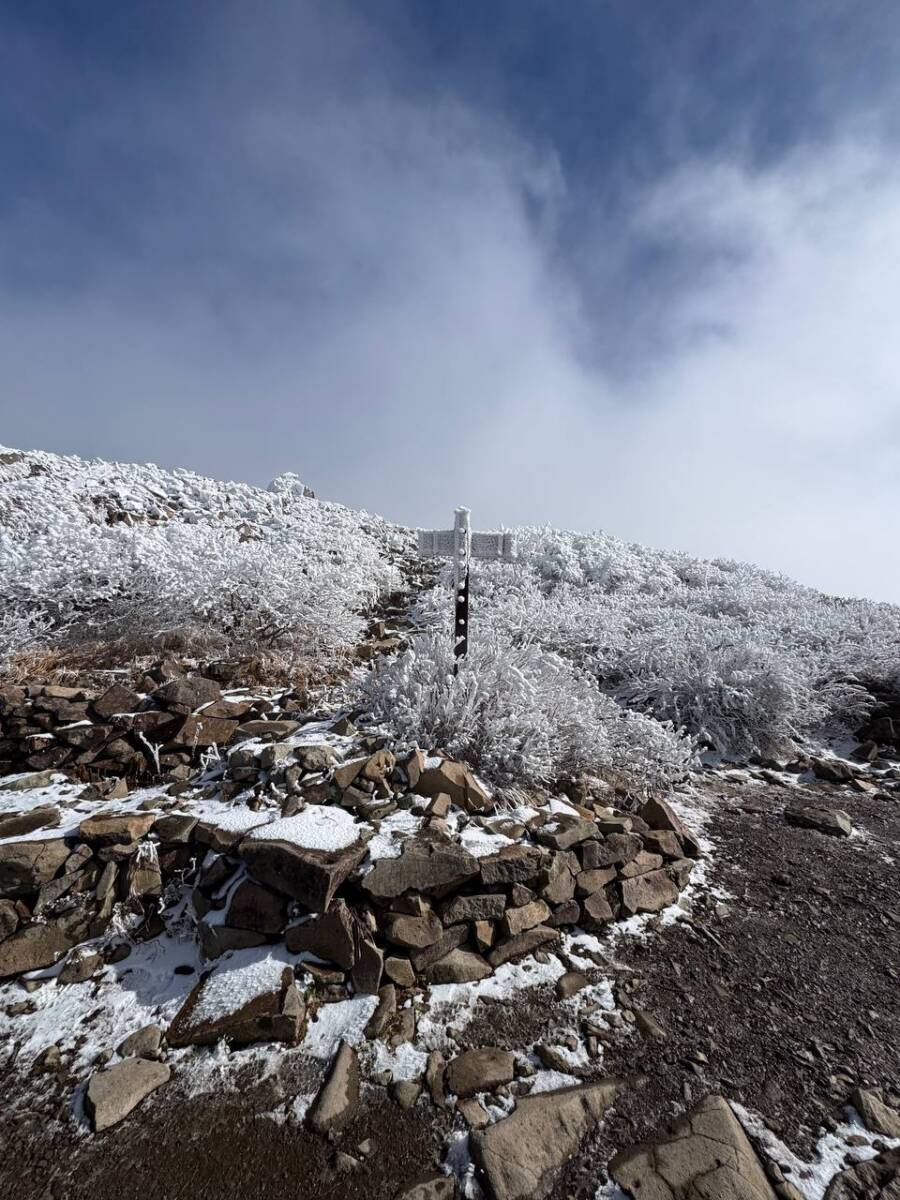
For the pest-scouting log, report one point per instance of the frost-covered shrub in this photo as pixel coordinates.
(741, 657)
(101, 551)
(519, 714)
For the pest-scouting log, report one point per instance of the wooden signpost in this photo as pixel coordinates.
(462, 545)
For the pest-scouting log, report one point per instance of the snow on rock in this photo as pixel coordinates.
(317, 827)
(345, 1020)
(238, 979)
(392, 833)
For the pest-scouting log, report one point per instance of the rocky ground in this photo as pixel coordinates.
(773, 985)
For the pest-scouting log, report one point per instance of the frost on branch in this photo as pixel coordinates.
(519, 714)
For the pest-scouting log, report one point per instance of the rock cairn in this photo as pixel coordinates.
(374, 869)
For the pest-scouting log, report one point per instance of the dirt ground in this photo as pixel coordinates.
(782, 997)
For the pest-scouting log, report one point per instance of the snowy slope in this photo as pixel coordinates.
(97, 548)
(743, 659)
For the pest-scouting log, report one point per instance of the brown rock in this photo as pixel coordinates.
(310, 876)
(114, 829)
(17, 824)
(660, 815)
(480, 1071)
(512, 864)
(648, 893)
(563, 834)
(400, 970)
(26, 866)
(589, 882)
(522, 944)
(268, 731)
(422, 867)
(613, 850)
(338, 1098)
(518, 920)
(116, 699)
(834, 821)
(413, 933)
(664, 842)
(522, 1154)
(640, 865)
(368, 967)
(459, 966)
(329, 935)
(116, 1091)
(596, 910)
(449, 940)
(274, 1015)
(387, 1007)
(705, 1154)
(473, 908)
(257, 908)
(877, 1116)
(185, 694)
(202, 731)
(34, 946)
(455, 780)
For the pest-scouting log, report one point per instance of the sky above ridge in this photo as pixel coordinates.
(619, 264)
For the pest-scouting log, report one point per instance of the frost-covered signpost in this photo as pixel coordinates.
(462, 545)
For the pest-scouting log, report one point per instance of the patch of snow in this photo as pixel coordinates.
(345, 1020)
(317, 827)
(239, 977)
(392, 833)
(481, 842)
(551, 1081)
(403, 1061)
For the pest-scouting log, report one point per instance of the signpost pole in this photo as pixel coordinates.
(463, 547)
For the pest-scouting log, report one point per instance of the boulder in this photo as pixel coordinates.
(596, 910)
(306, 857)
(522, 944)
(27, 865)
(243, 1002)
(662, 841)
(368, 967)
(459, 966)
(117, 828)
(413, 933)
(522, 1154)
(35, 946)
(185, 695)
(480, 1070)
(202, 731)
(80, 966)
(384, 1012)
(400, 970)
(116, 1091)
(877, 1116)
(512, 864)
(257, 908)
(704, 1154)
(328, 935)
(876, 1179)
(457, 781)
(449, 940)
(10, 918)
(143, 1043)
(833, 821)
(17, 824)
(648, 893)
(429, 867)
(518, 920)
(473, 908)
(116, 699)
(338, 1098)
(660, 815)
(564, 833)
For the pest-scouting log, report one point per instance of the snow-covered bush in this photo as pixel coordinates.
(739, 657)
(519, 714)
(95, 551)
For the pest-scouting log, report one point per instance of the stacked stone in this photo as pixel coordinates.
(158, 732)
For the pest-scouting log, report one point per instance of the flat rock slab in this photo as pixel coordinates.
(522, 1154)
(481, 1070)
(256, 1001)
(705, 1154)
(17, 824)
(117, 829)
(833, 821)
(26, 866)
(455, 780)
(329, 935)
(459, 966)
(35, 946)
(422, 867)
(338, 1098)
(116, 1091)
(308, 875)
(877, 1116)
(648, 893)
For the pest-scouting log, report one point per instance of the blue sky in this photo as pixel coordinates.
(625, 264)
